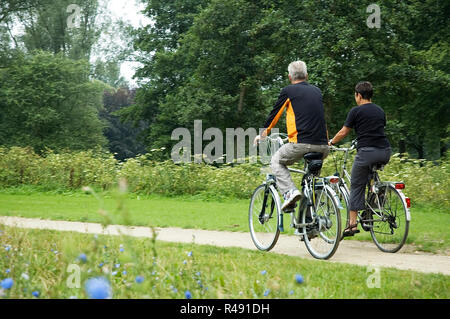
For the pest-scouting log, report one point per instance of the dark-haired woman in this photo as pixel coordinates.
(368, 120)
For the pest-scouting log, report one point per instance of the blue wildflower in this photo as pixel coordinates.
(189, 254)
(267, 292)
(114, 273)
(188, 294)
(291, 292)
(7, 283)
(299, 279)
(98, 288)
(121, 250)
(124, 272)
(117, 265)
(139, 279)
(100, 265)
(8, 271)
(35, 294)
(82, 258)
(263, 272)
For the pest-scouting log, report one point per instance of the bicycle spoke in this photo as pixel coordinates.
(390, 233)
(264, 228)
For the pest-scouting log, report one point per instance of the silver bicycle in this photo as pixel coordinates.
(386, 215)
(317, 221)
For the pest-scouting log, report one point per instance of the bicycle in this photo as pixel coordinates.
(386, 215)
(317, 221)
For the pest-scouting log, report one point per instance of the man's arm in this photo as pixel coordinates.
(274, 115)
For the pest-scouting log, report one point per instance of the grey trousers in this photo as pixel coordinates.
(289, 154)
(364, 159)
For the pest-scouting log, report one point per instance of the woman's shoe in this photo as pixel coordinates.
(350, 231)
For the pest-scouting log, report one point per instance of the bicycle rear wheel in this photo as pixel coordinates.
(264, 216)
(323, 237)
(344, 197)
(389, 232)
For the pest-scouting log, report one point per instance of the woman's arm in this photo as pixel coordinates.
(340, 135)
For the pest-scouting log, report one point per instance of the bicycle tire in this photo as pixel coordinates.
(326, 237)
(265, 232)
(386, 242)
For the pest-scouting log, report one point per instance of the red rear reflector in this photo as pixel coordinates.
(334, 180)
(400, 186)
(408, 202)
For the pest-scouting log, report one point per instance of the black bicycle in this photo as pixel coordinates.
(318, 219)
(386, 215)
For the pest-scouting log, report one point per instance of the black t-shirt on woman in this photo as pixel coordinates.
(369, 121)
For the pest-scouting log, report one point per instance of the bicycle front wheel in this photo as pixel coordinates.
(389, 232)
(322, 237)
(264, 216)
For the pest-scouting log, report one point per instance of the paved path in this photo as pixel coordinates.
(349, 251)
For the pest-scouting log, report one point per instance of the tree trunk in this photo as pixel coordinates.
(241, 98)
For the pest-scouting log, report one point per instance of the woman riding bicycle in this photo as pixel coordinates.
(368, 120)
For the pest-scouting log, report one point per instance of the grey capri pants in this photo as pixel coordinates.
(364, 159)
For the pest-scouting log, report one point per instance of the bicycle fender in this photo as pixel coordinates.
(408, 213)
(402, 196)
(280, 216)
(333, 193)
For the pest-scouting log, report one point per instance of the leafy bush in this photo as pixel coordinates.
(426, 181)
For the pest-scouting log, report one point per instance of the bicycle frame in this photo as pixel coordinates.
(374, 184)
(307, 186)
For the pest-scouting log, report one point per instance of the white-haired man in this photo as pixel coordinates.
(306, 128)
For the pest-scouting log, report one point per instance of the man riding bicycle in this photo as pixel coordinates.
(306, 129)
(368, 120)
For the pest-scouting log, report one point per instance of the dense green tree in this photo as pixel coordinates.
(48, 101)
(123, 139)
(66, 26)
(225, 62)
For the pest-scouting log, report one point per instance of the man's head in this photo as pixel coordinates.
(363, 92)
(297, 71)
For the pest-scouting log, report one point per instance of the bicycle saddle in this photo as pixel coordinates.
(314, 161)
(313, 156)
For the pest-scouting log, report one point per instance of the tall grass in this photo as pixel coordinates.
(427, 182)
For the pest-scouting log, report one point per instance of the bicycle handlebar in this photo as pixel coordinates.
(345, 149)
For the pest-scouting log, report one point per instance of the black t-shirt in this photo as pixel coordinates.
(305, 115)
(369, 121)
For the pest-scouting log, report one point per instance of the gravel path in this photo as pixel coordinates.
(349, 251)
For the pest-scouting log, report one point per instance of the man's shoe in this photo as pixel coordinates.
(290, 198)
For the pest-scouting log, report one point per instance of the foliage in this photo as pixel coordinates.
(48, 101)
(225, 63)
(46, 261)
(122, 137)
(46, 27)
(426, 182)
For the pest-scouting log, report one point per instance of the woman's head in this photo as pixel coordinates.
(363, 92)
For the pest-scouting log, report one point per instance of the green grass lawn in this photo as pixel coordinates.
(39, 260)
(428, 229)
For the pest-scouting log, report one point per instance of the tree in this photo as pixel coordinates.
(59, 27)
(48, 101)
(225, 63)
(122, 138)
